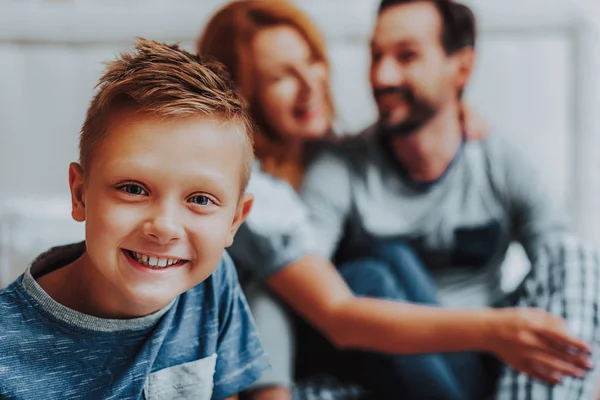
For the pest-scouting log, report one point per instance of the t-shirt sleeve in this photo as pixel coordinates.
(327, 196)
(240, 356)
(535, 214)
(277, 231)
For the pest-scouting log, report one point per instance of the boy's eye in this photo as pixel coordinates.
(133, 189)
(201, 200)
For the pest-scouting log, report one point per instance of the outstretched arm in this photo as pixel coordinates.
(313, 288)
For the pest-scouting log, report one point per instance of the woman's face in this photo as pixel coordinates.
(291, 85)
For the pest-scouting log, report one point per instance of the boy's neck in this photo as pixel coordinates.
(80, 287)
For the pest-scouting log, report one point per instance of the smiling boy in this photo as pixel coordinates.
(149, 306)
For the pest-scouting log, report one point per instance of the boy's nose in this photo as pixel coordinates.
(163, 230)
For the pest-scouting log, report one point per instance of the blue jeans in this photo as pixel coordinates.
(393, 271)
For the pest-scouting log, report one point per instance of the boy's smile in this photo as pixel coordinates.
(161, 200)
(153, 261)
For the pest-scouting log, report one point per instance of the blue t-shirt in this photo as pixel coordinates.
(201, 346)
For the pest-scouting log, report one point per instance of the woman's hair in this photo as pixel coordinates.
(228, 36)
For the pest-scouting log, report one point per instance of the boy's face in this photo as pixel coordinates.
(161, 202)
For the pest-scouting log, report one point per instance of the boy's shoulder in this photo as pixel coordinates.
(9, 294)
(15, 311)
(11, 311)
(27, 342)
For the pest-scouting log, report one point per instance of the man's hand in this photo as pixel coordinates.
(537, 343)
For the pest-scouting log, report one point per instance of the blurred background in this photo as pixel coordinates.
(537, 82)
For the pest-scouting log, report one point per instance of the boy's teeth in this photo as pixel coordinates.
(154, 261)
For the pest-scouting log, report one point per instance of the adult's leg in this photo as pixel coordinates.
(407, 269)
(476, 373)
(396, 276)
(275, 326)
(564, 280)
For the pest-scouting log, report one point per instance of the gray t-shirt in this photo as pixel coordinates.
(201, 346)
(460, 225)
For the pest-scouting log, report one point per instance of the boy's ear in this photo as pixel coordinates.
(244, 207)
(77, 185)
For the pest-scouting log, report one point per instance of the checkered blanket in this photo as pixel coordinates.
(565, 280)
(326, 387)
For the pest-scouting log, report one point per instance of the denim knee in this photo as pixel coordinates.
(373, 278)
(409, 271)
(398, 250)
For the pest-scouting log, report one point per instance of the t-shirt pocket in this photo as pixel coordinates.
(192, 380)
(475, 246)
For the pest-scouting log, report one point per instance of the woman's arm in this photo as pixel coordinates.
(524, 338)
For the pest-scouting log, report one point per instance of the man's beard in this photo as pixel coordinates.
(420, 112)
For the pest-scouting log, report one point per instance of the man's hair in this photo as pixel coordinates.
(167, 82)
(458, 22)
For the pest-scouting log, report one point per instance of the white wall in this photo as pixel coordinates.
(536, 81)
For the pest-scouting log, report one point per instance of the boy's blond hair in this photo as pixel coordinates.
(167, 82)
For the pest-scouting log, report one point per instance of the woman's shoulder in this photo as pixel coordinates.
(276, 203)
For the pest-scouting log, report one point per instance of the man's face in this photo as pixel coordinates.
(161, 201)
(411, 75)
